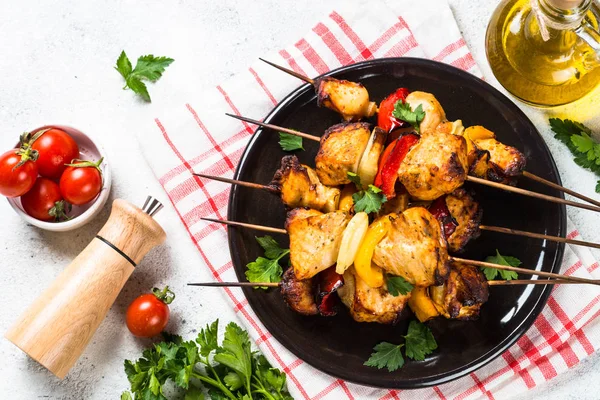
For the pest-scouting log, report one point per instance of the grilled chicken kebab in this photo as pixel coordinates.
(410, 244)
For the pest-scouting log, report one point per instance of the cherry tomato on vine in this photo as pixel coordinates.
(148, 314)
(81, 182)
(44, 201)
(55, 148)
(18, 173)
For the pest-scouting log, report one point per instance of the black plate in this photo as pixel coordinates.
(339, 346)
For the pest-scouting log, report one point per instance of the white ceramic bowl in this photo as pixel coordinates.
(89, 149)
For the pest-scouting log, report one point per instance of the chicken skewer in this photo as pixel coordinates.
(523, 173)
(519, 270)
(498, 229)
(491, 283)
(473, 179)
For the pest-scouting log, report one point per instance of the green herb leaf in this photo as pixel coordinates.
(289, 142)
(578, 139)
(386, 355)
(233, 381)
(123, 65)
(397, 285)
(491, 273)
(270, 245)
(267, 269)
(419, 341)
(354, 178)
(369, 200)
(148, 68)
(583, 143)
(126, 396)
(207, 338)
(235, 353)
(403, 112)
(194, 394)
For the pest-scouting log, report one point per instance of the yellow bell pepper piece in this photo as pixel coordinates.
(371, 274)
(346, 202)
(422, 305)
(478, 132)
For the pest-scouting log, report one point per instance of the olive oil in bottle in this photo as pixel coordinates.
(545, 52)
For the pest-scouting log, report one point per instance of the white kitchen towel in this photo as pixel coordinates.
(195, 135)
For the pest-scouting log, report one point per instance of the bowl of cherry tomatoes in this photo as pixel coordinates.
(56, 178)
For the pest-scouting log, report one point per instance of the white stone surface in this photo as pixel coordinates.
(56, 67)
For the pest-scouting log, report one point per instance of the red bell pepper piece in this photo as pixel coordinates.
(328, 282)
(439, 209)
(388, 170)
(385, 119)
(384, 157)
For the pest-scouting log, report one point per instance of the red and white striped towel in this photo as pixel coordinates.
(196, 136)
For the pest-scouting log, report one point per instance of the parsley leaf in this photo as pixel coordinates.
(235, 371)
(419, 341)
(403, 111)
(354, 178)
(289, 142)
(369, 200)
(270, 245)
(148, 68)
(267, 269)
(386, 355)
(577, 137)
(207, 338)
(397, 285)
(491, 273)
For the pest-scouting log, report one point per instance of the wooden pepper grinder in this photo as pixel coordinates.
(57, 327)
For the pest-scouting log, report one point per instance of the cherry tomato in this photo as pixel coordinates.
(44, 201)
(15, 179)
(385, 119)
(81, 182)
(55, 148)
(148, 315)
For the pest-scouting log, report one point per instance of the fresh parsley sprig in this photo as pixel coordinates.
(491, 273)
(578, 139)
(368, 200)
(267, 269)
(149, 68)
(397, 285)
(418, 343)
(289, 142)
(403, 112)
(233, 372)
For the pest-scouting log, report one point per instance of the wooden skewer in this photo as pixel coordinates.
(538, 236)
(558, 187)
(236, 284)
(245, 225)
(275, 127)
(236, 182)
(530, 193)
(524, 271)
(482, 227)
(535, 282)
(289, 71)
(514, 282)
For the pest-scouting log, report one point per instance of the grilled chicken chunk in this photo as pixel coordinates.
(505, 161)
(315, 240)
(341, 150)
(367, 304)
(414, 248)
(299, 186)
(434, 113)
(298, 295)
(467, 213)
(349, 99)
(463, 293)
(435, 166)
